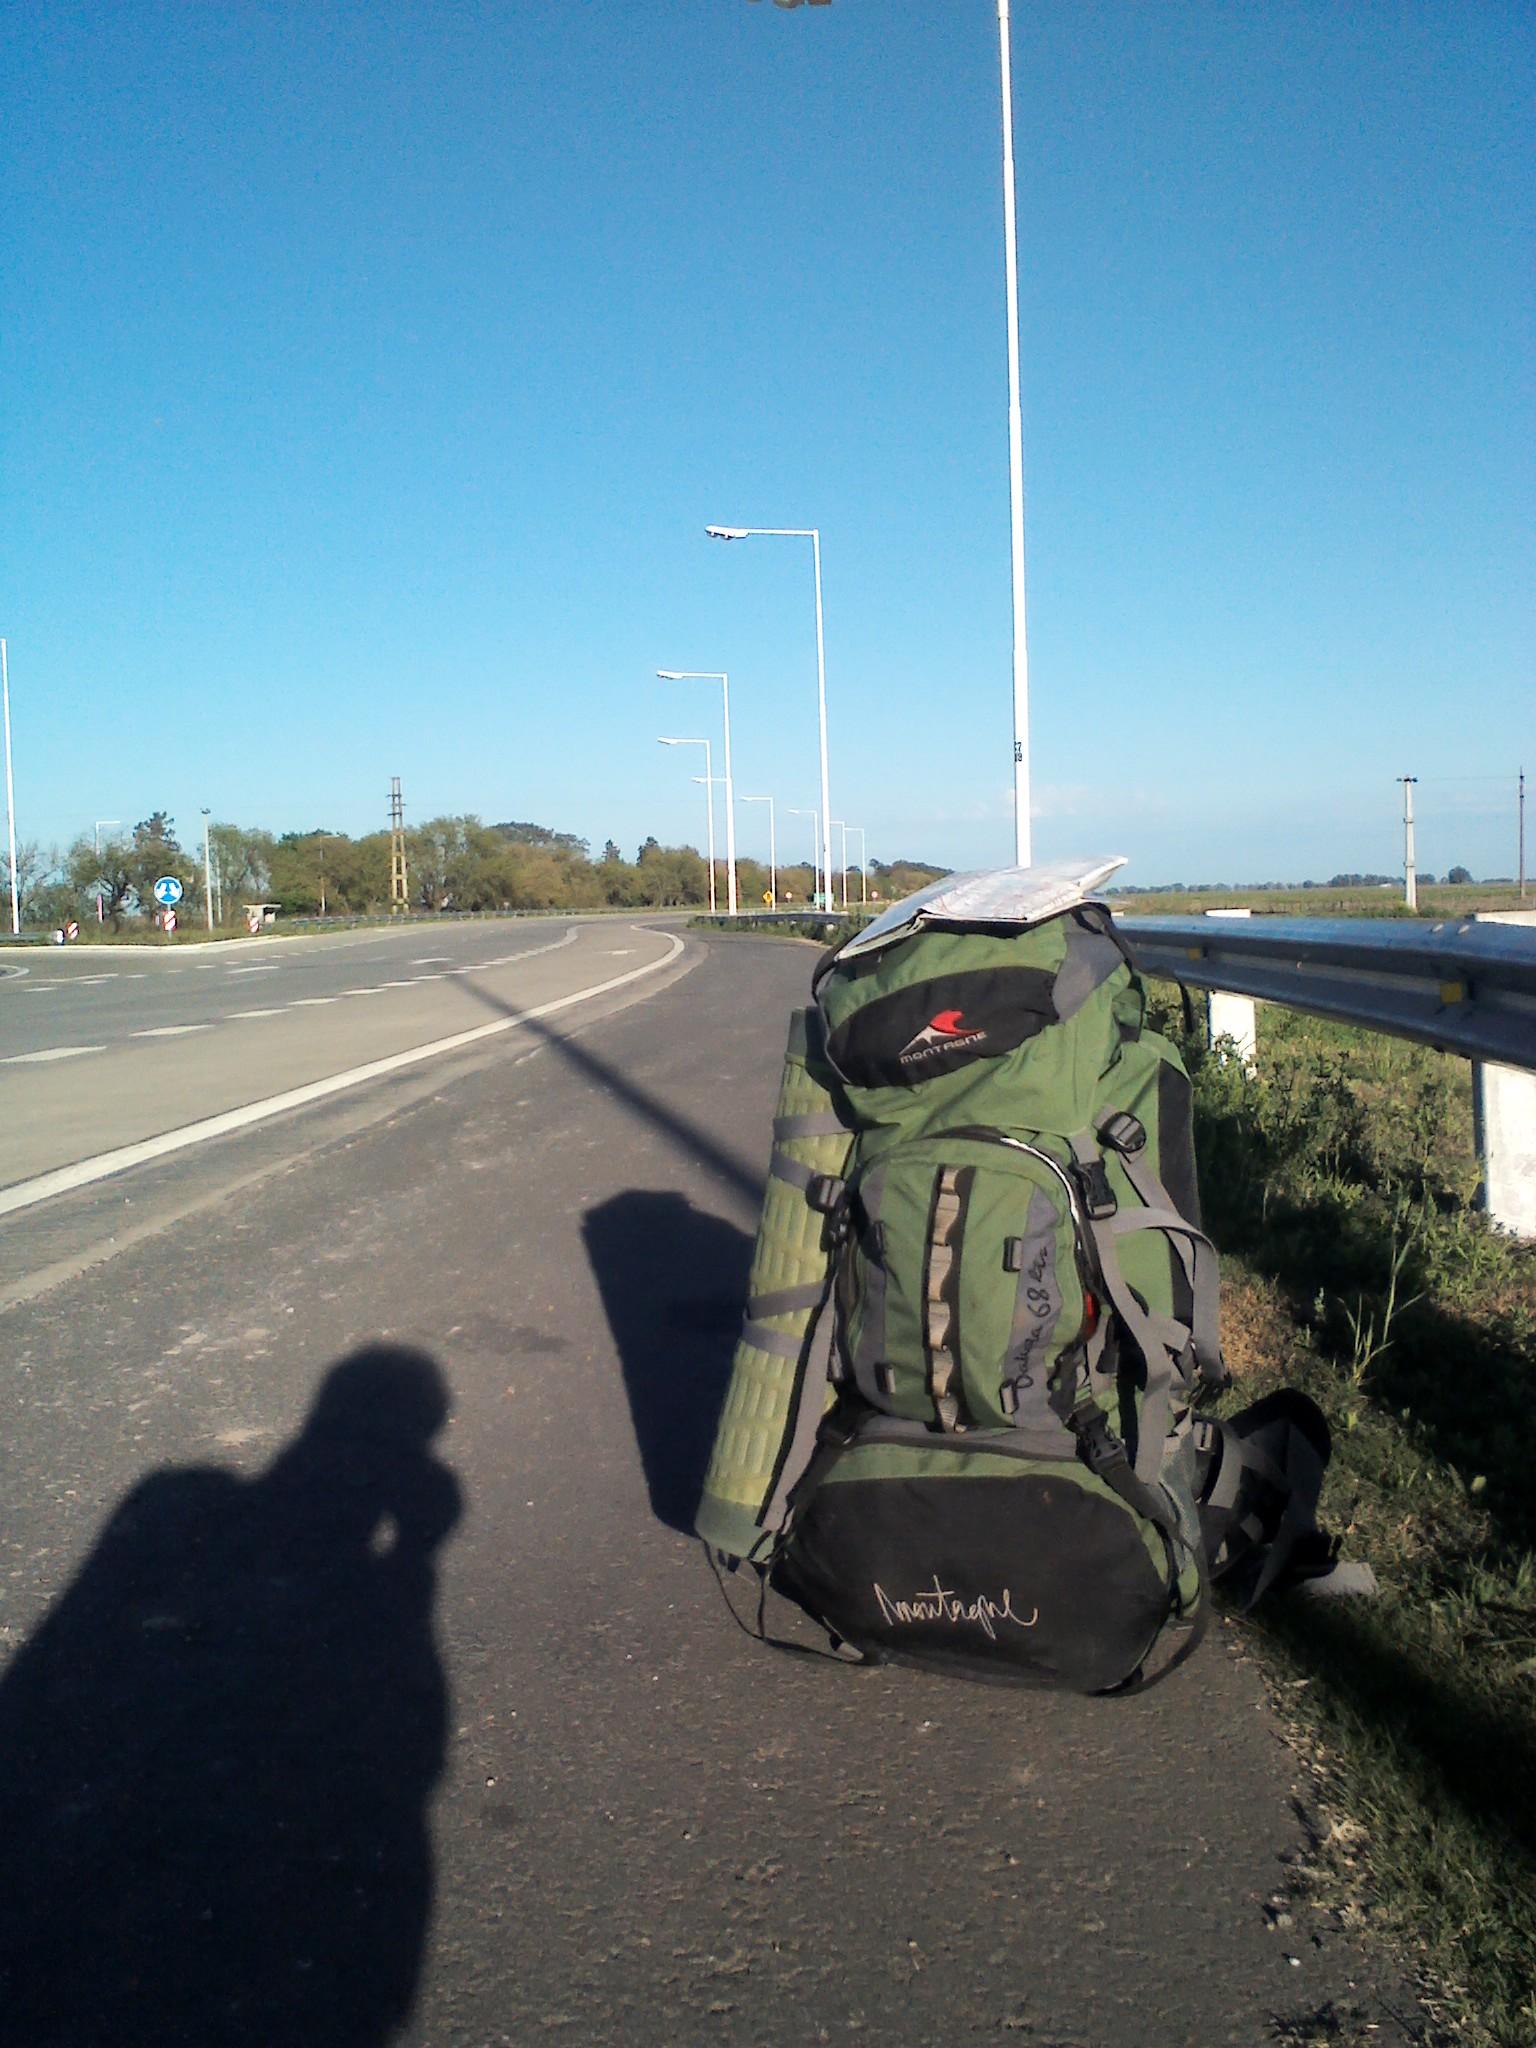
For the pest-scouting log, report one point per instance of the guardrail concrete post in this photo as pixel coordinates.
(1234, 1017)
(1504, 1119)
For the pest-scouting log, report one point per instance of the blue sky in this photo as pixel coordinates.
(368, 374)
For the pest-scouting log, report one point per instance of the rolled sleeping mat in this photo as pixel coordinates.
(788, 1280)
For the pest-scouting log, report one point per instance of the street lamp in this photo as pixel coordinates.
(815, 818)
(207, 871)
(858, 832)
(838, 822)
(1021, 836)
(716, 675)
(709, 794)
(773, 850)
(101, 915)
(10, 789)
(813, 535)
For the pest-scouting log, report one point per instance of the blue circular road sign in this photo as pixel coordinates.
(168, 890)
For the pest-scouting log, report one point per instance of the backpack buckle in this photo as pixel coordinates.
(825, 1192)
(1098, 1195)
(1097, 1443)
(1124, 1133)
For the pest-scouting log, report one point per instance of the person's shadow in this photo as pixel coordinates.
(673, 1280)
(217, 1750)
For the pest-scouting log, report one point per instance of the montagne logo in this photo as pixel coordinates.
(943, 1603)
(944, 1029)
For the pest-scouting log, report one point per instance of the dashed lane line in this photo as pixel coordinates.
(272, 967)
(65, 1179)
(169, 1030)
(255, 1013)
(53, 1052)
(312, 1002)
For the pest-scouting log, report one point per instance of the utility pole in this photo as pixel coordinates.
(1522, 835)
(399, 894)
(1410, 876)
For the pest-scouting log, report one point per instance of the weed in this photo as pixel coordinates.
(1339, 1179)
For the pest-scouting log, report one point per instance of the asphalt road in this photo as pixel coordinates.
(324, 1723)
(108, 1047)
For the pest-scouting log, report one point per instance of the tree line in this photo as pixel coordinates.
(452, 864)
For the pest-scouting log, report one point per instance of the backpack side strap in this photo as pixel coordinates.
(1171, 1350)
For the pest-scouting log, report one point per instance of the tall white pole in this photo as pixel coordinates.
(101, 915)
(731, 903)
(773, 850)
(208, 875)
(709, 799)
(1410, 873)
(821, 705)
(795, 811)
(10, 788)
(813, 535)
(838, 824)
(1021, 832)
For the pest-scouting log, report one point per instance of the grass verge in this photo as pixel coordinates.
(1339, 1183)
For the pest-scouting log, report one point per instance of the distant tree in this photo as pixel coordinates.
(1459, 877)
(242, 865)
(611, 853)
(106, 875)
(156, 851)
(1426, 879)
(313, 873)
(541, 835)
(671, 875)
(36, 872)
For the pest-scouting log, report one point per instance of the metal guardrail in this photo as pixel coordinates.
(1459, 985)
(752, 920)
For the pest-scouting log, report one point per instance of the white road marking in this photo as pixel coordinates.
(313, 1002)
(63, 1180)
(254, 1013)
(54, 1052)
(90, 980)
(41, 988)
(395, 984)
(364, 991)
(170, 1030)
(269, 969)
(427, 977)
(434, 960)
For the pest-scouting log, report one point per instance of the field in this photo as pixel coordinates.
(1435, 900)
(1339, 1182)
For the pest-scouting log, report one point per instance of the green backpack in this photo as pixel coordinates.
(960, 1431)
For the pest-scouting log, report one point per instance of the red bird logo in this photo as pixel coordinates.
(947, 1027)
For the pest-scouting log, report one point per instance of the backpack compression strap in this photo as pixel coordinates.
(1171, 1349)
